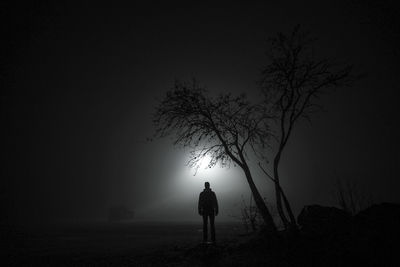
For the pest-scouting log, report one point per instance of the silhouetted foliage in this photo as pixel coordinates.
(249, 215)
(223, 127)
(292, 83)
(351, 197)
(220, 127)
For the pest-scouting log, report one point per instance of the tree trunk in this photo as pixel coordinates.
(293, 224)
(265, 213)
(278, 195)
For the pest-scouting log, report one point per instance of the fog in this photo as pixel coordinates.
(82, 84)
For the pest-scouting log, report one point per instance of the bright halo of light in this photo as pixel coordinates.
(221, 179)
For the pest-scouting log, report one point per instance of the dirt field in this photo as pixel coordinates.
(107, 244)
(179, 244)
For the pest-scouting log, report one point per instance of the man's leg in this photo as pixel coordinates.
(205, 230)
(212, 226)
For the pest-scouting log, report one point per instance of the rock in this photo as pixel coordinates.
(380, 221)
(320, 220)
(376, 234)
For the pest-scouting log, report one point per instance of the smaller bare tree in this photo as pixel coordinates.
(292, 83)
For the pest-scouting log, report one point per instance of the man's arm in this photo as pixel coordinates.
(200, 205)
(215, 204)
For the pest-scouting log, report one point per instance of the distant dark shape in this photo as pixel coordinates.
(119, 213)
(319, 220)
(208, 208)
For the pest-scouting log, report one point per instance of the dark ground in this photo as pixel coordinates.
(173, 244)
(105, 244)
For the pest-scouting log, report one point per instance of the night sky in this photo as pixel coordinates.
(80, 84)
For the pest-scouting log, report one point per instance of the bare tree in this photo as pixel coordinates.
(223, 128)
(292, 82)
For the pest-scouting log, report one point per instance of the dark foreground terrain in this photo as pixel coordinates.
(327, 237)
(108, 244)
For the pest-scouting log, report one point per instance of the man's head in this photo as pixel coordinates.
(207, 185)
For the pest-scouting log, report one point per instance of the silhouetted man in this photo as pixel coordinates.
(208, 208)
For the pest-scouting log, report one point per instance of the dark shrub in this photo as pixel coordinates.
(320, 220)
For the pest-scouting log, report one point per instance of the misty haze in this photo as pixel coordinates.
(146, 134)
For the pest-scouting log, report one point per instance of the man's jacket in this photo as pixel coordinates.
(208, 202)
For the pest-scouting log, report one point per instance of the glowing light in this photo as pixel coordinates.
(190, 181)
(186, 183)
(204, 162)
